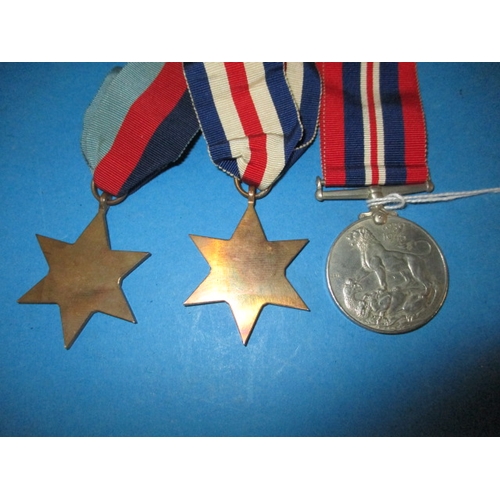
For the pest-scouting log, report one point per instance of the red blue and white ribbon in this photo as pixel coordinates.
(140, 122)
(257, 118)
(372, 125)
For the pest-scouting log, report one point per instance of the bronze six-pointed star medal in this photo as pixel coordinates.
(84, 277)
(247, 272)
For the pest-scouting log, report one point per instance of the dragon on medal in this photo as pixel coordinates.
(384, 272)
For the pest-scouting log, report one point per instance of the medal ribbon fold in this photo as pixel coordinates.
(140, 122)
(257, 118)
(372, 125)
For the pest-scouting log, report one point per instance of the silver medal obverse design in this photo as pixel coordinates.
(391, 278)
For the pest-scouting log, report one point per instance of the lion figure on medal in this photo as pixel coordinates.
(396, 287)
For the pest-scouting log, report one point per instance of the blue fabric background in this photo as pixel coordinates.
(183, 371)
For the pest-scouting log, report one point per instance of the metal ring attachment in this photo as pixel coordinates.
(248, 194)
(105, 197)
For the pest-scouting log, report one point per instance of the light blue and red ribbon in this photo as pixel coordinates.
(139, 123)
(257, 118)
(372, 125)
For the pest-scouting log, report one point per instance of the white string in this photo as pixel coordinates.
(395, 201)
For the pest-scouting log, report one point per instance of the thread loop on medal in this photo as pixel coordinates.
(251, 193)
(393, 201)
(105, 197)
(396, 201)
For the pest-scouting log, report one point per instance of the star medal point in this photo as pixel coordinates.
(247, 271)
(85, 277)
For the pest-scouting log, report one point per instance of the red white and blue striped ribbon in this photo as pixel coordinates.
(372, 125)
(257, 118)
(140, 122)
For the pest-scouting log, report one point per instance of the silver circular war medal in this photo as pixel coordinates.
(388, 276)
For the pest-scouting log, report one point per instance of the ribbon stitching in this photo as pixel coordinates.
(139, 123)
(372, 125)
(257, 118)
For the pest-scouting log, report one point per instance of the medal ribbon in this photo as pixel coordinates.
(372, 125)
(257, 118)
(140, 122)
